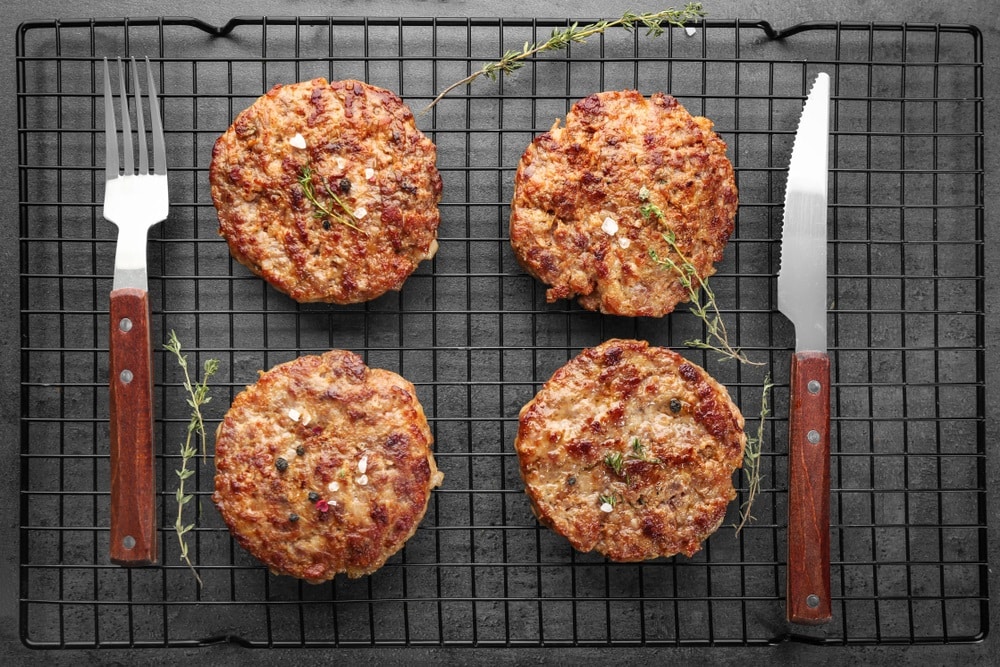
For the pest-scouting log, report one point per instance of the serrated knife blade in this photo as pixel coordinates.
(802, 275)
(802, 298)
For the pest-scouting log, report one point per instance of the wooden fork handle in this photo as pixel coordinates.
(133, 490)
(808, 584)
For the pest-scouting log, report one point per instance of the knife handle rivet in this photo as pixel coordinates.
(126, 376)
(813, 386)
(813, 437)
(128, 542)
(812, 601)
(125, 324)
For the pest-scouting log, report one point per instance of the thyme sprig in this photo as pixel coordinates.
(751, 457)
(513, 59)
(320, 210)
(611, 499)
(197, 397)
(704, 308)
(717, 339)
(708, 310)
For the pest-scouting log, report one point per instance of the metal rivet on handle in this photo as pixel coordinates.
(813, 437)
(126, 376)
(812, 601)
(125, 324)
(813, 386)
(129, 543)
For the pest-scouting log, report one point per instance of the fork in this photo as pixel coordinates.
(134, 202)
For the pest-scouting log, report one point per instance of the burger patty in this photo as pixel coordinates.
(630, 450)
(324, 466)
(593, 198)
(345, 141)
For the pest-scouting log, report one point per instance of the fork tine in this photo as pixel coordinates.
(159, 146)
(110, 130)
(129, 161)
(139, 123)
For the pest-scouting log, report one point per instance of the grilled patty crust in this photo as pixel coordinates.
(630, 450)
(593, 198)
(360, 144)
(324, 466)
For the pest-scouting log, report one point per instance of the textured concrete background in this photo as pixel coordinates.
(780, 13)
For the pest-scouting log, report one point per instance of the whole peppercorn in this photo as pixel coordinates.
(345, 185)
(300, 450)
(313, 496)
(281, 464)
(675, 405)
(293, 517)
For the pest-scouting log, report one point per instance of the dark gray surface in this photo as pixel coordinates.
(777, 13)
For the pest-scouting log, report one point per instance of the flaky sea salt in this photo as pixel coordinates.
(369, 173)
(363, 480)
(610, 226)
(306, 418)
(360, 212)
(298, 141)
(691, 32)
(624, 242)
(333, 486)
(363, 464)
(606, 508)
(294, 415)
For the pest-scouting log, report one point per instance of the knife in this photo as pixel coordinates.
(802, 298)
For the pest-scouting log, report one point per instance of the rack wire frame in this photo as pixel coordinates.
(474, 334)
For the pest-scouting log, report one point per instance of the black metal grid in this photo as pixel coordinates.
(474, 334)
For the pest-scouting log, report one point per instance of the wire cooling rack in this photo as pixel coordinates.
(475, 335)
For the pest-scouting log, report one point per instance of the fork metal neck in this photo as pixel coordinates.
(130, 257)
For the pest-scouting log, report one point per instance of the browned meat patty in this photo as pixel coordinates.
(630, 450)
(349, 141)
(324, 466)
(591, 199)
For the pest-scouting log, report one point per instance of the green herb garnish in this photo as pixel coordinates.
(611, 499)
(197, 397)
(513, 59)
(615, 461)
(648, 208)
(751, 457)
(706, 309)
(639, 453)
(321, 211)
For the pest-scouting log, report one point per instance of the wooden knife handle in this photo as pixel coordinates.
(808, 586)
(133, 490)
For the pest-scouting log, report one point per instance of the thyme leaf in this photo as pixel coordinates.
(611, 499)
(513, 59)
(639, 453)
(648, 208)
(615, 461)
(197, 397)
